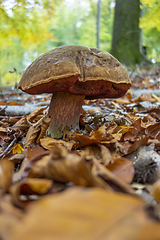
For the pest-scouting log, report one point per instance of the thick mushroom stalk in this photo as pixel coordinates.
(75, 72)
(64, 109)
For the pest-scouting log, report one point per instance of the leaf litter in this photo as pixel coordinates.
(101, 178)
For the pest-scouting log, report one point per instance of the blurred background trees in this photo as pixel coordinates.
(31, 27)
(126, 40)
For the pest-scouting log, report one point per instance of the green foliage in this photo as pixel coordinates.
(150, 23)
(76, 23)
(24, 27)
(30, 27)
(25, 21)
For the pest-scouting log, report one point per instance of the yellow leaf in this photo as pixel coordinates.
(122, 129)
(17, 149)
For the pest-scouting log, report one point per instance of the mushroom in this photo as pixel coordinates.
(72, 74)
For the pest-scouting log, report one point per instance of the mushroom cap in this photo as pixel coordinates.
(77, 70)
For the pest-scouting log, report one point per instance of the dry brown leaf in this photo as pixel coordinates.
(71, 167)
(153, 131)
(2, 103)
(4, 133)
(22, 124)
(101, 135)
(111, 179)
(106, 156)
(94, 110)
(155, 190)
(154, 141)
(4, 130)
(44, 125)
(13, 103)
(18, 175)
(139, 125)
(149, 120)
(36, 169)
(122, 100)
(7, 223)
(14, 119)
(156, 111)
(132, 132)
(93, 150)
(35, 152)
(48, 143)
(144, 97)
(150, 231)
(131, 135)
(17, 158)
(100, 152)
(82, 140)
(6, 172)
(82, 170)
(35, 113)
(128, 147)
(80, 213)
(97, 136)
(122, 168)
(37, 131)
(32, 135)
(21, 191)
(111, 127)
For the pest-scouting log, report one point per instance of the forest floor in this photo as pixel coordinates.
(101, 182)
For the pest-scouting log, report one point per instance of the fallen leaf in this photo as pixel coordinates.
(153, 131)
(32, 135)
(37, 131)
(144, 97)
(80, 213)
(17, 158)
(122, 168)
(4, 133)
(149, 231)
(128, 147)
(22, 124)
(100, 152)
(17, 149)
(101, 135)
(82, 170)
(44, 125)
(139, 125)
(155, 191)
(35, 113)
(2, 103)
(155, 110)
(122, 129)
(105, 155)
(35, 152)
(18, 175)
(48, 143)
(111, 127)
(6, 172)
(21, 191)
(94, 110)
(73, 168)
(13, 103)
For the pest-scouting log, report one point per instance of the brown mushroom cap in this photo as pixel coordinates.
(73, 73)
(76, 70)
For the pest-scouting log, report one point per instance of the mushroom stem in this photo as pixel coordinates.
(64, 110)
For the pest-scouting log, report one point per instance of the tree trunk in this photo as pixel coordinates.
(98, 22)
(126, 32)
